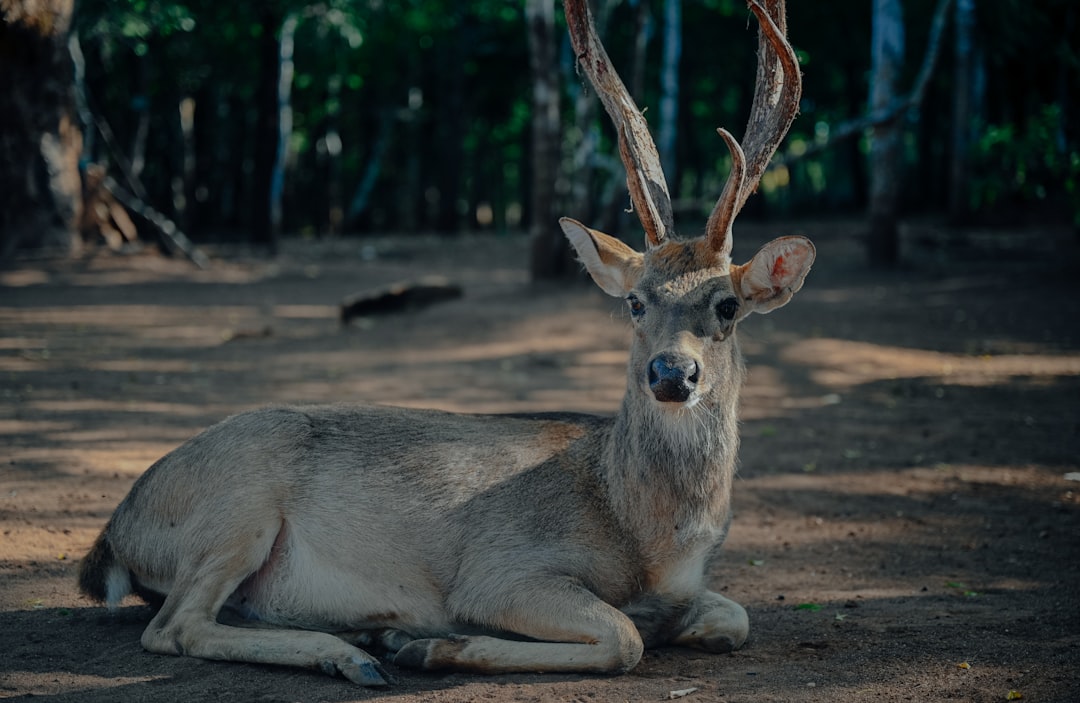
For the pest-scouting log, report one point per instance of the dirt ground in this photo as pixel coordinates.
(904, 526)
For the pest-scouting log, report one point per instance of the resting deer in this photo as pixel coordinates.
(553, 543)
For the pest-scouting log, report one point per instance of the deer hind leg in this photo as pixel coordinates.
(578, 633)
(386, 638)
(715, 624)
(187, 624)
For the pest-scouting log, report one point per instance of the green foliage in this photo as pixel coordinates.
(133, 21)
(429, 102)
(1027, 165)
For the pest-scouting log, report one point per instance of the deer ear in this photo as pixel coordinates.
(775, 273)
(614, 266)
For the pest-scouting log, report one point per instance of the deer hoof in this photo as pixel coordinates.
(432, 654)
(415, 654)
(718, 644)
(362, 671)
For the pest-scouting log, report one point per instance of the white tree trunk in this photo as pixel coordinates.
(285, 117)
(963, 73)
(886, 148)
(669, 86)
(550, 253)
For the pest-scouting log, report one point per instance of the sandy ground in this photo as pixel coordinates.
(904, 528)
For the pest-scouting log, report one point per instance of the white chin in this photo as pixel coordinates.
(679, 407)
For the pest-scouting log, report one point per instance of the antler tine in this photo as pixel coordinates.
(644, 176)
(718, 228)
(779, 89)
(776, 102)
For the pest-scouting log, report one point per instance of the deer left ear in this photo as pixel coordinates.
(776, 272)
(613, 265)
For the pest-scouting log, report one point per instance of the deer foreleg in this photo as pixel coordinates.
(714, 623)
(207, 639)
(579, 633)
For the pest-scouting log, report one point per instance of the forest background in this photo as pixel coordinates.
(907, 518)
(244, 122)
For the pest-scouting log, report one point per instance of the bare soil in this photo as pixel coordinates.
(904, 526)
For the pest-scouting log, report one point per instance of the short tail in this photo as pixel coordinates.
(101, 575)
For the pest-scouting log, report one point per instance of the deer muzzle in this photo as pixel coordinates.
(673, 377)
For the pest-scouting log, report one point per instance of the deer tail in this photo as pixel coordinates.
(101, 575)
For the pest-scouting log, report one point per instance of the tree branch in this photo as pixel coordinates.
(897, 109)
(175, 240)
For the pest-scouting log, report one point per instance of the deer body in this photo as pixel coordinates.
(484, 543)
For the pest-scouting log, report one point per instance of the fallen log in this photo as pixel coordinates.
(399, 297)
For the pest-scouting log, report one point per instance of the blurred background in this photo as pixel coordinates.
(186, 123)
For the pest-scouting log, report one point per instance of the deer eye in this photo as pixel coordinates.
(727, 308)
(637, 308)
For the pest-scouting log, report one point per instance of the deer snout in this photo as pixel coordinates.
(673, 377)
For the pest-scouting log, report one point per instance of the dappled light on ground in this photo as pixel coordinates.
(41, 682)
(900, 506)
(841, 364)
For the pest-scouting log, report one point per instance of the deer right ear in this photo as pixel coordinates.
(614, 266)
(775, 273)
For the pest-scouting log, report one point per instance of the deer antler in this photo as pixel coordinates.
(776, 102)
(644, 176)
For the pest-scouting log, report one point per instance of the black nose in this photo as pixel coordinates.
(672, 377)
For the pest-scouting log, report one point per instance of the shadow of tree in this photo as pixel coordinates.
(869, 471)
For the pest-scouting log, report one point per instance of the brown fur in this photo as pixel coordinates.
(479, 543)
(554, 542)
(94, 567)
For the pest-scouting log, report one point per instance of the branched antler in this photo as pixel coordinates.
(776, 102)
(644, 176)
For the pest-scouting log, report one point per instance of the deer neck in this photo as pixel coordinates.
(670, 471)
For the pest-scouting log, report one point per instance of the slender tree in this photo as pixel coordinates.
(40, 141)
(963, 70)
(550, 253)
(263, 228)
(669, 86)
(451, 104)
(286, 69)
(886, 147)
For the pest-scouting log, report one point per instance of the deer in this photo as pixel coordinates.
(496, 544)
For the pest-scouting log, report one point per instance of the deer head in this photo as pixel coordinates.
(685, 296)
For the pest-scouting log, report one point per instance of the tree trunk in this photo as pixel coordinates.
(963, 72)
(360, 199)
(669, 96)
(550, 253)
(853, 155)
(183, 187)
(263, 229)
(643, 29)
(409, 191)
(615, 213)
(286, 45)
(584, 139)
(140, 103)
(450, 128)
(40, 142)
(886, 147)
(335, 210)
